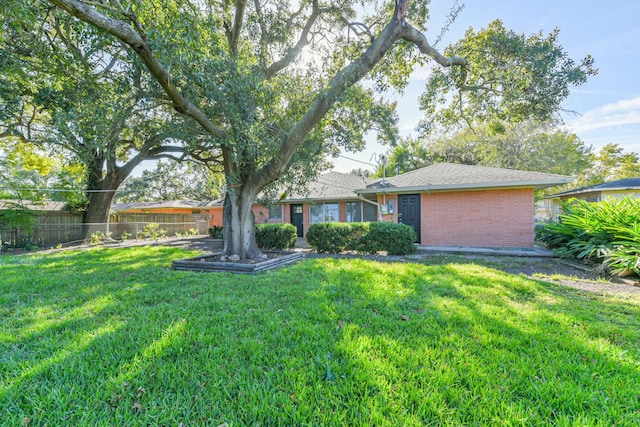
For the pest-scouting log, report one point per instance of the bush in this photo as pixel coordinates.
(625, 254)
(604, 232)
(396, 239)
(276, 236)
(335, 237)
(99, 238)
(367, 237)
(152, 231)
(216, 232)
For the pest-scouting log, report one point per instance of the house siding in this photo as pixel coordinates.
(490, 218)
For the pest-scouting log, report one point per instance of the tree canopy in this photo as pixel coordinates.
(173, 181)
(274, 85)
(509, 78)
(610, 163)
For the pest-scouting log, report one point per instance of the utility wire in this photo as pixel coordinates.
(56, 190)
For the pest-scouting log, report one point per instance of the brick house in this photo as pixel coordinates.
(447, 204)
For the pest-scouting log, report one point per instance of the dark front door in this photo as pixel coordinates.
(409, 211)
(296, 218)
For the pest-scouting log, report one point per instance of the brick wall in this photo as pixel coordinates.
(490, 218)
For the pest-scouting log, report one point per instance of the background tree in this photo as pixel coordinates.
(26, 170)
(173, 181)
(275, 84)
(532, 146)
(527, 145)
(70, 88)
(510, 78)
(407, 155)
(610, 164)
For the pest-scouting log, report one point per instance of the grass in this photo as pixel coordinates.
(114, 337)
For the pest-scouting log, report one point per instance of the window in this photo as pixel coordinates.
(361, 212)
(354, 211)
(369, 212)
(324, 212)
(275, 212)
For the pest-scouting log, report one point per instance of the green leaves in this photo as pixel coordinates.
(605, 232)
(509, 77)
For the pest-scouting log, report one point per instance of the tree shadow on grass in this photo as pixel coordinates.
(323, 342)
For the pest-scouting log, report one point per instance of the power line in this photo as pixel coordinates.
(57, 190)
(359, 161)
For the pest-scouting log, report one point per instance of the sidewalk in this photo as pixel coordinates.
(474, 250)
(301, 244)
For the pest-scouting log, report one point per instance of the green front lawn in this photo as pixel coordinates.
(114, 337)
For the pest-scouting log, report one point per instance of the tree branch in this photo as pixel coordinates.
(413, 35)
(297, 48)
(241, 5)
(396, 29)
(128, 35)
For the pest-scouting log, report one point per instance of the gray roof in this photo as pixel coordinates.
(186, 204)
(629, 184)
(332, 186)
(34, 206)
(449, 176)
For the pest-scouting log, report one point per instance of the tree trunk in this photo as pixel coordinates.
(101, 188)
(239, 226)
(96, 216)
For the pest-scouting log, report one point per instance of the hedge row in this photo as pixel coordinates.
(367, 237)
(268, 236)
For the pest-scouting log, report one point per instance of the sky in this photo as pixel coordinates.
(608, 104)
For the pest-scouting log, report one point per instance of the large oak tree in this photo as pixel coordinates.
(276, 83)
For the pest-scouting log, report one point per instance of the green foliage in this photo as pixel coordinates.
(276, 236)
(395, 239)
(611, 163)
(606, 231)
(624, 256)
(98, 238)
(125, 236)
(366, 237)
(510, 77)
(532, 145)
(407, 155)
(216, 232)
(173, 181)
(18, 219)
(152, 231)
(335, 237)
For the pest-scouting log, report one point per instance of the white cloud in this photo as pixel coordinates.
(624, 112)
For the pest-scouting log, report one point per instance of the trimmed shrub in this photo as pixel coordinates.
(367, 237)
(396, 239)
(330, 237)
(276, 236)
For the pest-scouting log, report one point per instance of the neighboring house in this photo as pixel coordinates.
(627, 187)
(175, 215)
(447, 204)
(54, 225)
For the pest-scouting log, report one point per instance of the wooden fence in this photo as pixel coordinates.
(64, 227)
(52, 228)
